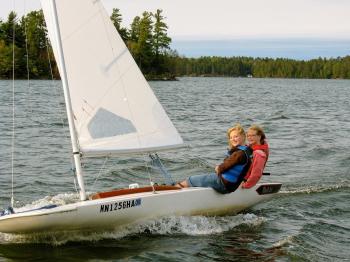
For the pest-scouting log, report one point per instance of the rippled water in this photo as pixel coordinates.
(307, 124)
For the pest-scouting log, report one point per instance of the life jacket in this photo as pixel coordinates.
(236, 173)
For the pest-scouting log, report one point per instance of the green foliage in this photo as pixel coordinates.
(35, 29)
(30, 48)
(9, 27)
(143, 54)
(5, 60)
(263, 67)
(116, 18)
(8, 43)
(149, 44)
(161, 42)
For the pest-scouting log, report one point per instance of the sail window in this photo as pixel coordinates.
(107, 124)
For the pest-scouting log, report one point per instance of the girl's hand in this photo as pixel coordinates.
(217, 169)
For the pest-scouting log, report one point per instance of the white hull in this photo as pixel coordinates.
(113, 212)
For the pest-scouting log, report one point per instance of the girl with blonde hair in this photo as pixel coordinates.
(231, 172)
(240, 131)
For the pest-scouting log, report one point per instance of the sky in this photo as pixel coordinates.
(255, 22)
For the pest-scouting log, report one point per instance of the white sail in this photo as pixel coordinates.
(115, 110)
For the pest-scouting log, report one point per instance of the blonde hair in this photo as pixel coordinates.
(259, 131)
(240, 131)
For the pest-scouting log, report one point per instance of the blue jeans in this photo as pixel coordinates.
(210, 180)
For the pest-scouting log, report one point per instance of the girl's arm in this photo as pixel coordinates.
(256, 169)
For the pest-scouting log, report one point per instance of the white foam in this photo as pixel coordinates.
(284, 242)
(193, 225)
(198, 225)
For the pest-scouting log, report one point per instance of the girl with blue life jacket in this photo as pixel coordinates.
(231, 172)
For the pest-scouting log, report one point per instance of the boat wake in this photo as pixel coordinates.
(198, 225)
(315, 188)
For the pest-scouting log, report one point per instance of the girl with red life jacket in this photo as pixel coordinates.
(231, 172)
(257, 141)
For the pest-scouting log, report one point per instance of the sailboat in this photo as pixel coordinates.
(112, 111)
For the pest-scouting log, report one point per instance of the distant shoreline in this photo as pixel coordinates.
(296, 48)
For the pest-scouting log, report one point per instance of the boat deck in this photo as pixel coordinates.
(127, 191)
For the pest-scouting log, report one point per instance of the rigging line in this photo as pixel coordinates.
(156, 162)
(27, 58)
(99, 173)
(56, 88)
(53, 86)
(149, 173)
(58, 94)
(13, 107)
(73, 171)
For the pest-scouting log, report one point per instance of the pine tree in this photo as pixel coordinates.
(145, 42)
(33, 25)
(161, 42)
(116, 18)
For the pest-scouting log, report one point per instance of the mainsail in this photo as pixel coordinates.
(115, 110)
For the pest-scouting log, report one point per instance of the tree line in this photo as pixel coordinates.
(321, 68)
(149, 43)
(27, 37)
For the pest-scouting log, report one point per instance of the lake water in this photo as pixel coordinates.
(308, 127)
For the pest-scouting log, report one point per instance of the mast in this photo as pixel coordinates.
(72, 131)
